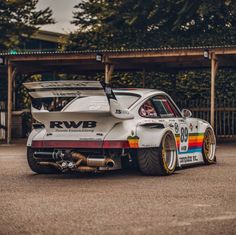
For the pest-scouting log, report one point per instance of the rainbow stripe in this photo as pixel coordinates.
(195, 141)
(133, 141)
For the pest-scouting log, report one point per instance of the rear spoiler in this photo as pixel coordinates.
(54, 89)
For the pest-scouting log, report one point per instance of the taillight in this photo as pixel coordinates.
(115, 144)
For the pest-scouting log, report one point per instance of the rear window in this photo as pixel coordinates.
(127, 100)
(99, 103)
(88, 103)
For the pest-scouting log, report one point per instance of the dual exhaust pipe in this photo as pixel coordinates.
(93, 162)
(73, 161)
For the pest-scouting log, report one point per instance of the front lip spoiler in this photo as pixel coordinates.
(68, 144)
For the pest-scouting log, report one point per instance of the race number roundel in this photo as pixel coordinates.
(183, 147)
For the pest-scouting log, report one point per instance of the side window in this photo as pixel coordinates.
(148, 109)
(164, 107)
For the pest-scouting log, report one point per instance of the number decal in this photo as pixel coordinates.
(176, 128)
(184, 134)
(183, 147)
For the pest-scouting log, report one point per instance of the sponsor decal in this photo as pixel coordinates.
(195, 141)
(74, 130)
(119, 111)
(64, 84)
(99, 134)
(133, 140)
(188, 159)
(72, 124)
(65, 93)
(191, 126)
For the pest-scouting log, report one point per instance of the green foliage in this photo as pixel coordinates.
(126, 24)
(19, 19)
(118, 24)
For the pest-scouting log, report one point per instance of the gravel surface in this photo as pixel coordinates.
(197, 200)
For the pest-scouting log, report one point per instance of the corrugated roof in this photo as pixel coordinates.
(45, 52)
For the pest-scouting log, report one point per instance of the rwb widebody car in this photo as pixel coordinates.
(85, 126)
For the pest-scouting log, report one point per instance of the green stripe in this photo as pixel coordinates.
(196, 134)
(191, 134)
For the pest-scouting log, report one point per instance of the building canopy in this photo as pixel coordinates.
(154, 59)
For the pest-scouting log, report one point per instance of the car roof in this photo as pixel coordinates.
(138, 91)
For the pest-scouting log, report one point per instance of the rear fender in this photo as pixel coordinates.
(35, 133)
(150, 133)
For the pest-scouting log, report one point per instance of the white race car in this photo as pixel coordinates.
(85, 126)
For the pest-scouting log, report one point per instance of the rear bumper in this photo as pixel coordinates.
(68, 144)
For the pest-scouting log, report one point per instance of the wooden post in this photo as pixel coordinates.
(14, 89)
(9, 103)
(214, 66)
(108, 72)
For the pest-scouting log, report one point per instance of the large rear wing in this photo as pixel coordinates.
(55, 89)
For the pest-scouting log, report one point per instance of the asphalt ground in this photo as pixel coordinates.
(197, 200)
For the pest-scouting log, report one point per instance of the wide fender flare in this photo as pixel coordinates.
(35, 133)
(151, 137)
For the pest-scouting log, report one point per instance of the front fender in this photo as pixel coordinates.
(203, 125)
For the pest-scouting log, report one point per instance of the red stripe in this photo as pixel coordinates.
(195, 144)
(79, 144)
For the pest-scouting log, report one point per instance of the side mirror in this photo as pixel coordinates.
(186, 113)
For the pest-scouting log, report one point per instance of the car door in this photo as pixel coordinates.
(182, 127)
(188, 138)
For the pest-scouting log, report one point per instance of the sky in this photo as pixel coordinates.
(62, 13)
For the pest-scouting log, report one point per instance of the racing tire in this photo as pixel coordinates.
(159, 161)
(209, 147)
(34, 166)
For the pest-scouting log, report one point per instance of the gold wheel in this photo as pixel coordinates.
(168, 152)
(209, 145)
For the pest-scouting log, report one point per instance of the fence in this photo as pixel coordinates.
(225, 114)
(2, 121)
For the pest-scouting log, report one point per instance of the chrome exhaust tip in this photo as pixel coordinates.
(100, 162)
(110, 163)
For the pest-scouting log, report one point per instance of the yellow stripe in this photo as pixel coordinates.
(192, 138)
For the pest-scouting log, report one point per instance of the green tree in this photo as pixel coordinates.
(19, 19)
(124, 24)
(117, 24)
(207, 22)
(111, 24)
